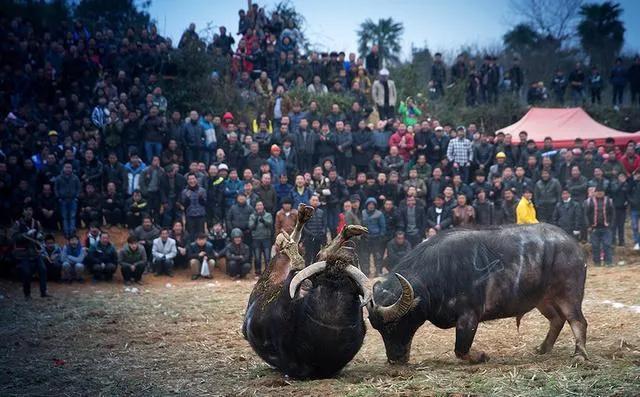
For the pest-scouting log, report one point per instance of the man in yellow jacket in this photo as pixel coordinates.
(525, 211)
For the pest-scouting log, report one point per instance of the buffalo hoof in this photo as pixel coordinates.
(305, 212)
(543, 349)
(475, 357)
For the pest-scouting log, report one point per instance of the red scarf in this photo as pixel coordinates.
(604, 211)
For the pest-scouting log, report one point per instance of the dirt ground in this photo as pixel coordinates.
(174, 336)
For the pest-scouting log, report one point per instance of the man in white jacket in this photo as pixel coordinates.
(164, 251)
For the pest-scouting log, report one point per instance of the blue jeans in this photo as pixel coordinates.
(635, 217)
(68, 209)
(152, 149)
(601, 241)
(261, 248)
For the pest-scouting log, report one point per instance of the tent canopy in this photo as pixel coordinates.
(564, 126)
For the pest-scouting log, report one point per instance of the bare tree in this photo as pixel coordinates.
(550, 17)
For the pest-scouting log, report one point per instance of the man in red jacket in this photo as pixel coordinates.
(404, 141)
(630, 161)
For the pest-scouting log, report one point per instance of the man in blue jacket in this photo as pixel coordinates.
(374, 220)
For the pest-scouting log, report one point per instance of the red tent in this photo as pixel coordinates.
(564, 125)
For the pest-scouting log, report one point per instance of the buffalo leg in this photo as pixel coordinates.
(573, 312)
(556, 322)
(466, 328)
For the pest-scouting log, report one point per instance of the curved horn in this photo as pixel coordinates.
(362, 281)
(305, 274)
(401, 307)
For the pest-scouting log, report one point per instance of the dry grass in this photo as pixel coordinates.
(185, 340)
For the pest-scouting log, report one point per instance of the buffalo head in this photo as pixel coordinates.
(390, 313)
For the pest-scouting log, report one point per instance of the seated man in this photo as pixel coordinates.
(146, 233)
(133, 261)
(238, 255)
(164, 251)
(396, 250)
(201, 257)
(51, 255)
(102, 259)
(73, 256)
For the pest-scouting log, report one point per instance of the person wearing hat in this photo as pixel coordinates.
(374, 221)
(526, 211)
(276, 163)
(238, 255)
(384, 95)
(547, 192)
(499, 166)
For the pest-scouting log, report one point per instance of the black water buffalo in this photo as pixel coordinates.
(463, 277)
(308, 322)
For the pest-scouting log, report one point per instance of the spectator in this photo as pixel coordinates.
(634, 205)
(506, 213)
(25, 234)
(633, 75)
(412, 220)
(618, 81)
(102, 259)
(460, 153)
(90, 206)
(51, 255)
(164, 251)
(595, 86)
(600, 215)
(133, 261)
(193, 199)
(547, 193)
(568, 215)
(238, 255)
(261, 224)
(67, 190)
(619, 190)
(526, 211)
(201, 257)
(73, 257)
(384, 95)
(396, 249)
(374, 221)
(484, 209)
(463, 214)
(136, 209)
(314, 233)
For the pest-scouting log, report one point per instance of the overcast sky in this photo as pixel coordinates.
(444, 26)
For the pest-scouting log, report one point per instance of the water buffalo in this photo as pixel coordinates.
(308, 322)
(463, 277)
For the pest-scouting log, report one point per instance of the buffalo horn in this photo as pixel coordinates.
(401, 307)
(362, 281)
(304, 274)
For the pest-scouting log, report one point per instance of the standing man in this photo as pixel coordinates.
(600, 215)
(460, 153)
(67, 190)
(26, 234)
(261, 225)
(384, 95)
(314, 233)
(194, 198)
(547, 193)
(568, 215)
(374, 221)
(164, 251)
(526, 211)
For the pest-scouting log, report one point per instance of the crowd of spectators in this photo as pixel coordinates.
(88, 140)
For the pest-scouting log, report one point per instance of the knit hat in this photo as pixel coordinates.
(227, 115)
(236, 233)
(369, 201)
(275, 148)
(223, 166)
